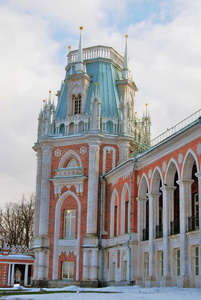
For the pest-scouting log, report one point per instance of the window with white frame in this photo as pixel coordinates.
(68, 270)
(160, 264)
(77, 104)
(196, 260)
(69, 223)
(177, 262)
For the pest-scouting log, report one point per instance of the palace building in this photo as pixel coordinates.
(113, 207)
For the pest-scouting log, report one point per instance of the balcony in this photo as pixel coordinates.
(159, 231)
(193, 223)
(145, 234)
(174, 227)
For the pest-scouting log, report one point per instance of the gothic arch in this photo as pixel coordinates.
(155, 180)
(69, 154)
(172, 168)
(57, 231)
(143, 186)
(123, 206)
(189, 160)
(114, 198)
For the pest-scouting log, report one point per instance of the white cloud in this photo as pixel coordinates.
(164, 58)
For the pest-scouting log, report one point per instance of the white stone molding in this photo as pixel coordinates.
(123, 151)
(199, 149)
(77, 182)
(68, 154)
(180, 158)
(150, 173)
(57, 152)
(143, 186)
(112, 205)
(83, 150)
(164, 166)
(38, 193)
(123, 203)
(155, 179)
(189, 159)
(170, 172)
(93, 179)
(138, 179)
(57, 233)
(45, 189)
(109, 149)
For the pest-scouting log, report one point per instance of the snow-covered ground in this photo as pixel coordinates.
(116, 293)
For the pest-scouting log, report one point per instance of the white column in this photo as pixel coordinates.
(140, 225)
(26, 275)
(9, 270)
(86, 254)
(168, 197)
(153, 198)
(12, 274)
(35, 273)
(41, 257)
(94, 264)
(38, 192)
(185, 198)
(198, 278)
(93, 180)
(45, 190)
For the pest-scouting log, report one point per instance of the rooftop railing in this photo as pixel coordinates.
(97, 52)
(171, 131)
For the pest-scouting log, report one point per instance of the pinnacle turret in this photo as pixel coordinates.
(126, 72)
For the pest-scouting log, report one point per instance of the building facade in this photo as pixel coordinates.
(16, 266)
(111, 209)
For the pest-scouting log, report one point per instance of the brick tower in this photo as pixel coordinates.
(92, 128)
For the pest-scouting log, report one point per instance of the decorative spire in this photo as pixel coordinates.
(96, 84)
(80, 51)
(126, 54)
(126, 72)
(69, 48)
(50, 96)
(79, 67)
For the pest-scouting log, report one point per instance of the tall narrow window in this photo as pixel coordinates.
(177, 262)
(196, 261)
(68, 270)
(77, 104)
(126, 216)
(69, 223)
(115, 221)
(161, 264)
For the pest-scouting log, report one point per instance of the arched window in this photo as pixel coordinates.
(77, 104)
(62, 129)
(109, 126)
(69, 223)
(72, 163)
(81, 126)
(71, 128)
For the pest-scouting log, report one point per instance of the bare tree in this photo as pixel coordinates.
(17, 221)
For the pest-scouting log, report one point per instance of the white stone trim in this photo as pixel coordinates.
(57, 233)
(68, 154)
(105, 149)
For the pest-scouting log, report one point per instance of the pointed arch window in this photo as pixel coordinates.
(77, 100)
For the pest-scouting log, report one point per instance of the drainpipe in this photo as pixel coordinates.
(101, 225)
(130, 218)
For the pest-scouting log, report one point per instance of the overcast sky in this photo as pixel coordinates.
(164, 46)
